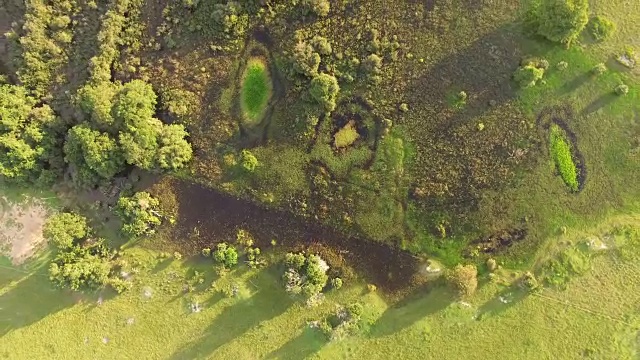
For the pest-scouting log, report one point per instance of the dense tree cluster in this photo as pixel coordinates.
(82, 261)
(28, 149)
(44, 39)
(126, 132)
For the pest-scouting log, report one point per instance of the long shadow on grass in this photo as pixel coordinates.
(301, 347)
(29, 301)
(413, 308)
(576, 83)
(599, 103)
(267, 303)
(502, 301)
(452, 153)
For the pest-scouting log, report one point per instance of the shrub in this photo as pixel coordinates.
(305, 274)
(530, 282)
(599, 69)
(562, 65)
(305, 60)
(319, 7)
(248, 161)
(65, 229)
(464, 278)
(324, 89)
(346, 136)
(336, 283)
(322, 45)
(528, 75)
(561, 154)
(492, 265)
(622, 90)
(139, 214)
(253, 258)
(244, 238)
(601, 28)
(560, 21)
(206, 252)
(226, 255)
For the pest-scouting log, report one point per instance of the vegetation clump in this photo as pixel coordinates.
(345, 321)
(601, 28)
(255, 90)
(139, 214)
(528, 75)
(346, 136)
(64, 230)
(305, 274)
(464, 278)
(562, 155)
(622, 90)
(226, 255)
(324, 90)
(560, 21)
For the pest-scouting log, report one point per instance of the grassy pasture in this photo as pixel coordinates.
(255, 90)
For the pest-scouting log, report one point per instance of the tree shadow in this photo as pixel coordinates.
(599, 103)
(161, 266)
(29, 301)
(504, 300)
(237, 319)
(576, 83)
(416, 306)
(300, 347)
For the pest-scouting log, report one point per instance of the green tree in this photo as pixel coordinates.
(64, 230)
(226, 255)
(324, 89)
(560, 21)
(305, 274)
(97, 102)
(174, 150)
(94, 155)
(134, 104)
(81, 267)
(139, 214)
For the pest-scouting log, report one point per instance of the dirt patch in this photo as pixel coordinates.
(207, 217)
(21, 228)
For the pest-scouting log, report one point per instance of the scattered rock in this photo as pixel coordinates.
(130, 321)
(147, 292)
(105, 340)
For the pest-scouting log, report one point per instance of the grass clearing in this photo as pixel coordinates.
(256, 90)
(562, 156)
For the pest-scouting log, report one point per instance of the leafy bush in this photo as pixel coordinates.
(319, 7)
(81, 267)
(94, 156)
(139, 214)
(622, 90)
(322, 45)
(560, 21)
(336, 283)
(599, 69)
(226, 255)
(528, 75)
(65, 229)
(248, 161)
(324, 89)
(561, 154)
(464, 278)
(305, 274)
(601, 28)
(345, 321)
(306, 60)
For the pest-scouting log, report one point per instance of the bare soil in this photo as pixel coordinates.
(21, 228)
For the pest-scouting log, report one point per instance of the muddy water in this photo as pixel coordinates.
(207, 217)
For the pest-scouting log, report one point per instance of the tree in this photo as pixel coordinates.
(601, 28)
(305, 274)
(226, 255)
(94, 155)
(305, 60)
(81, 267)
(464, 278)
(324, 89)
(174, 150)
(97, 102)
(64, 230)
(560, 21)
(139, 214)
(528, 75)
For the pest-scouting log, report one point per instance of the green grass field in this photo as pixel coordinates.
(255, 90)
